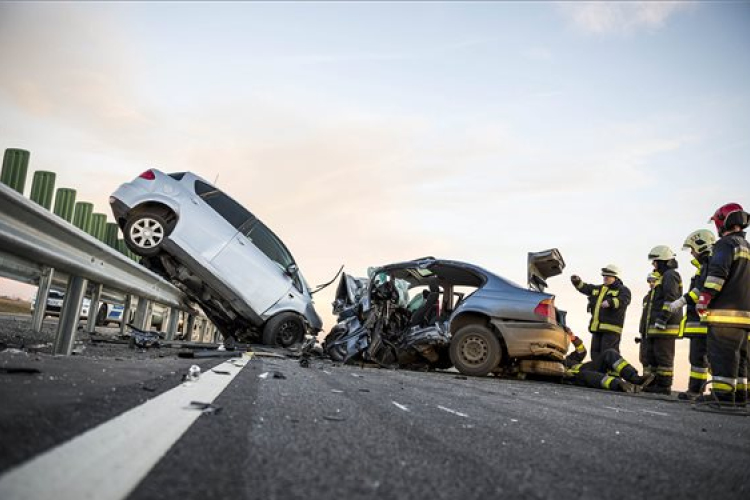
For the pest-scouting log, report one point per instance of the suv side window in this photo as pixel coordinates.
(271, 245)
(233, 212)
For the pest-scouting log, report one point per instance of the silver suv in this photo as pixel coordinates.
(219, 254)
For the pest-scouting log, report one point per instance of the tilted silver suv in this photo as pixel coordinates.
(219, 254)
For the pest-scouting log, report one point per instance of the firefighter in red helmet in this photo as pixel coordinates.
(724, 304)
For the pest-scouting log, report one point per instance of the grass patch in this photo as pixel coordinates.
(14, 306)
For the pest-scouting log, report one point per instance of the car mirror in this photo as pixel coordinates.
(292, 270)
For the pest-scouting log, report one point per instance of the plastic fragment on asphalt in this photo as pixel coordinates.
(264, 354)
(277, 375)
(334, 418)
(221, 372)
(194, 373)
(205, 408)
(19, 370)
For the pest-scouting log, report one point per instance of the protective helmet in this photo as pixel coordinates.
(699, 241)
(611, 270)
(652, 277)
(661, 252)
(720, 216)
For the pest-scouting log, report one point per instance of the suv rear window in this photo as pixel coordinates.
(233, 212)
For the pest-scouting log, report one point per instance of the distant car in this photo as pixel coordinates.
(108, 313)
(219, 254)
(445, 313)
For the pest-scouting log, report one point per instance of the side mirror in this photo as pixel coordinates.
(292, 270)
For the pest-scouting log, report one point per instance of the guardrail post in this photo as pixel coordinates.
(125, 318)
(40, 309)
(141, 310)
(204, 327)
(174, 318)
(96, 300)
(189, 327)
(69, 315)
(148, 323)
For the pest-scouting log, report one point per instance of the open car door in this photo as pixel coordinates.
(543, 265)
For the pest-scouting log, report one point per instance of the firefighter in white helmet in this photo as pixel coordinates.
(663, 325)
(608, 303)
(700, 243)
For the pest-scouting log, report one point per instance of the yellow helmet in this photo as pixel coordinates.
(661, 252)
(699, 241)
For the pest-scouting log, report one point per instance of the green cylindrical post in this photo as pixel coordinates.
(122, 247)
(43, 187)
(15, 167)
(98, 222)
(110, 234)
(82, 215)
(65, 202)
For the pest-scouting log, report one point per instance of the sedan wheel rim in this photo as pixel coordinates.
(147, 233)
(474, 350)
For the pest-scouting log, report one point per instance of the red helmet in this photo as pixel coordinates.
(720, 216)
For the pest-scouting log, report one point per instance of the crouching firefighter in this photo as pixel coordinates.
(608, 371)
(608, 303)
(663, 325)
(724, 304)
(700, 243)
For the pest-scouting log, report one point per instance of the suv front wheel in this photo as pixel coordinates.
(285, 329)
(475, 350)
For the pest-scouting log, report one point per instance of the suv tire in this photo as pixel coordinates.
(475, 350)
(285, 329)
(145, 233)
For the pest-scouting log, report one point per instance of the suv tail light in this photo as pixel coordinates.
(546, 308)
(148, 175)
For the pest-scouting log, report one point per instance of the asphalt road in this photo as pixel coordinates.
(349, 432)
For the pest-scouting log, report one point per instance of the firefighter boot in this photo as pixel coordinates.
(661, 385)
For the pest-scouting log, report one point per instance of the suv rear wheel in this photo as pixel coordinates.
(285, 329)
(475, 350)
(145, 233)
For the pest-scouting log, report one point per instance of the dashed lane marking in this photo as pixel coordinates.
(656, 413)
(109, 461)
(401, 407)
(454, 412)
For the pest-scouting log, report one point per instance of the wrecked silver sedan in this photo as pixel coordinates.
(439, 313)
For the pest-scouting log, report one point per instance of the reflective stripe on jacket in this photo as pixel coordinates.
(693, 327)
(728, 282)
(668, 289)
(609, 319)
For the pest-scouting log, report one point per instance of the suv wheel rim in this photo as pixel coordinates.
(288, 333)
(147, 233)
(474, 350)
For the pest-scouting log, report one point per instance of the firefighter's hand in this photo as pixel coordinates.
(702, 306)
(575, 279)
(660, 325)
(637, 340)
(677, 305)
(605, 304)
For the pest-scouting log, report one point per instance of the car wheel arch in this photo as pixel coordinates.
(474, 317)
(169, 212)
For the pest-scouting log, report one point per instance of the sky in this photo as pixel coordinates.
(365, 133)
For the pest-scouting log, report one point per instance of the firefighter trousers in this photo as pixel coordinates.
(606, 371)
(727, 355)
(601, 341)
(698, 363)
(660, 360)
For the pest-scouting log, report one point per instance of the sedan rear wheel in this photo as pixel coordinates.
(145, 233)
(475, 350)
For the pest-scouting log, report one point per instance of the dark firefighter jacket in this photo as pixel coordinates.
(728, 282)
(574, 360)
(608, 319)
(647, 299)
(693, 327)
(668, 289)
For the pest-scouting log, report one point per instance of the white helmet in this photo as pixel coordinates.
(699, 241)
(611, 270)
(661, 252)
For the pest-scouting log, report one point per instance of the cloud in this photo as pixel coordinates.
(604, 18)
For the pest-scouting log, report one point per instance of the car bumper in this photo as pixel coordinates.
(119, 210)
(531, 340)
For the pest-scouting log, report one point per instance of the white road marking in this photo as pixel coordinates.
(656, 413)
(619, 409)
(401, 407)
(453, 411)
(109, 461)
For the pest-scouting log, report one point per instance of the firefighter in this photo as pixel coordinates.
(700, 243)
(608, 371)
(724, 304)
(662, 325)
(608, 303)
(643, 326)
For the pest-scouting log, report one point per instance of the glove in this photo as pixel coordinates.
(605, 304)
(660, 325)
(575, 279)
(677, 305)
(702, 306)
(637, 340)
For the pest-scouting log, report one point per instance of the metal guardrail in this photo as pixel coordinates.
(34, 240)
